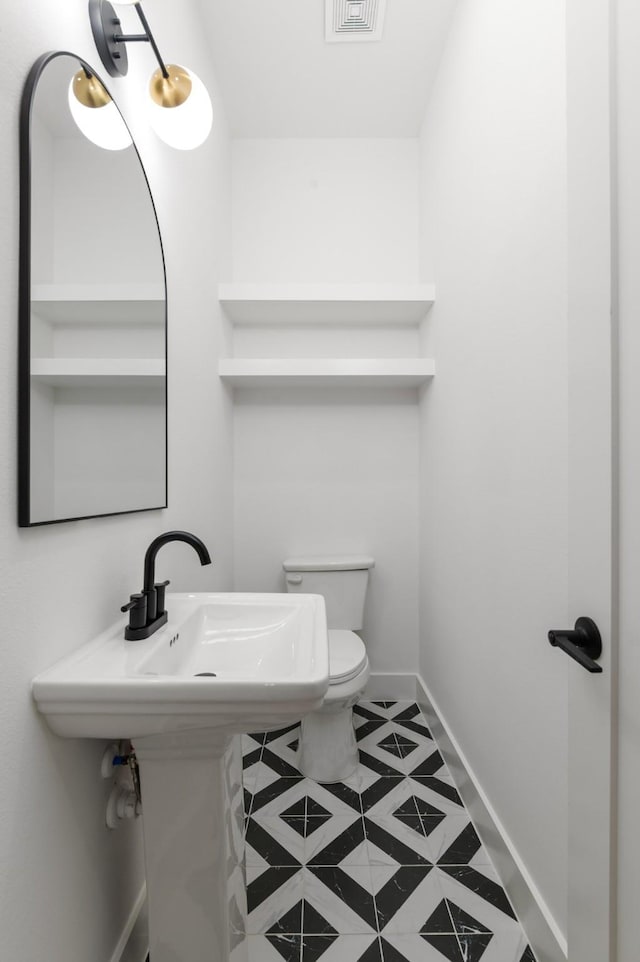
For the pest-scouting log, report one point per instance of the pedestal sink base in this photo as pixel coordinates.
(222, 665)
(192, 820)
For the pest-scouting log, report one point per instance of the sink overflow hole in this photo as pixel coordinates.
(207, 674)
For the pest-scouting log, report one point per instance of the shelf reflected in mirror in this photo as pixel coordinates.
(92, 365)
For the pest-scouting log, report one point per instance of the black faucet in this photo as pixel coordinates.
(146, 609)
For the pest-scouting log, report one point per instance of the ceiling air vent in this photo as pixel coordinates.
(354, 20)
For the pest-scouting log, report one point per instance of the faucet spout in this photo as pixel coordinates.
(147, 612)
(162, 539)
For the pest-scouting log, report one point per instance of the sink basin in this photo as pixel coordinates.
(230, 662)
(223, 664)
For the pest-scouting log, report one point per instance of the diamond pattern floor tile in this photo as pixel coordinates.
(272, 841)
(345, 948)
(340, 841)
(440, 785)
(343, 896)
(383, 867)
(406, 895)
(393, 841)
(274, 948)
(384, 796)
(281, 794)
(392, 743)
(480, 890)
(271, 893)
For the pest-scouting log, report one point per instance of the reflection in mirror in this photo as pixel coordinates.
(95, 113)
(92, 404)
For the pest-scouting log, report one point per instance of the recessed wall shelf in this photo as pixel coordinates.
(98, 304)
(295, 312)
(329, 372)
(369, 304)
(97, 292)
(107, 372)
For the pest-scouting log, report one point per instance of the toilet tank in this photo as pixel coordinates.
(340, 579)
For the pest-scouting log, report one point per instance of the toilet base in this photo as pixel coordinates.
(327, 750)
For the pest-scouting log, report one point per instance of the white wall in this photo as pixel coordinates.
(329, 472)
(330, 210)
(67, 885)
(629, 651)
(322, 475)
(494, 422)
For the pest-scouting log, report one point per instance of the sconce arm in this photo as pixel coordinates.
(111, 43)
(151, 39)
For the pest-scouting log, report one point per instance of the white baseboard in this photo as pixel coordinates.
(396, 686)
(133, 944)
(545, 937)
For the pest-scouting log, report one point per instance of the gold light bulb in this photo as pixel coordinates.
(171, 91)
(89, 91)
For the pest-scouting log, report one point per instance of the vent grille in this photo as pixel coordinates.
(354, 19)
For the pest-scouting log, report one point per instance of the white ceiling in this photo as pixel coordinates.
(279, 78)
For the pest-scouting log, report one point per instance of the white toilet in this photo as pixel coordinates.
(327, 751)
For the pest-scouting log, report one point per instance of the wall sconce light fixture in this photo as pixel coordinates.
(95, 112)
(180, 108)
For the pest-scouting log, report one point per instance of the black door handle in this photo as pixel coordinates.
(583, 643)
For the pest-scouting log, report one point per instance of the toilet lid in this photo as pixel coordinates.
(347, 655)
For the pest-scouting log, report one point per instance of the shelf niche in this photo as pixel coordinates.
(326, 372)
(315, 319)
(299, 304)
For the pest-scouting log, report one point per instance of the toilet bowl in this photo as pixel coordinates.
(327, 750)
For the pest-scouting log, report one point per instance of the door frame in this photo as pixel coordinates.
(592, 451)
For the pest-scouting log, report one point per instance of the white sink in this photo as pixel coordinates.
(268, 654)
(270, 662)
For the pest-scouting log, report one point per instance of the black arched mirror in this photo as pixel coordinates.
(92, 404)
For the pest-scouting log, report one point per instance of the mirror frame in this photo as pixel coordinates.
(24, 304)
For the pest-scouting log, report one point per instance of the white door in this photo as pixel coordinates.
(592, 474)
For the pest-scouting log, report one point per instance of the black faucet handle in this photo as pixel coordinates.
(137, 608)
(160, 587)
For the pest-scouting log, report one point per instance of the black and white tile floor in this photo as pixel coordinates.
(385, 867)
